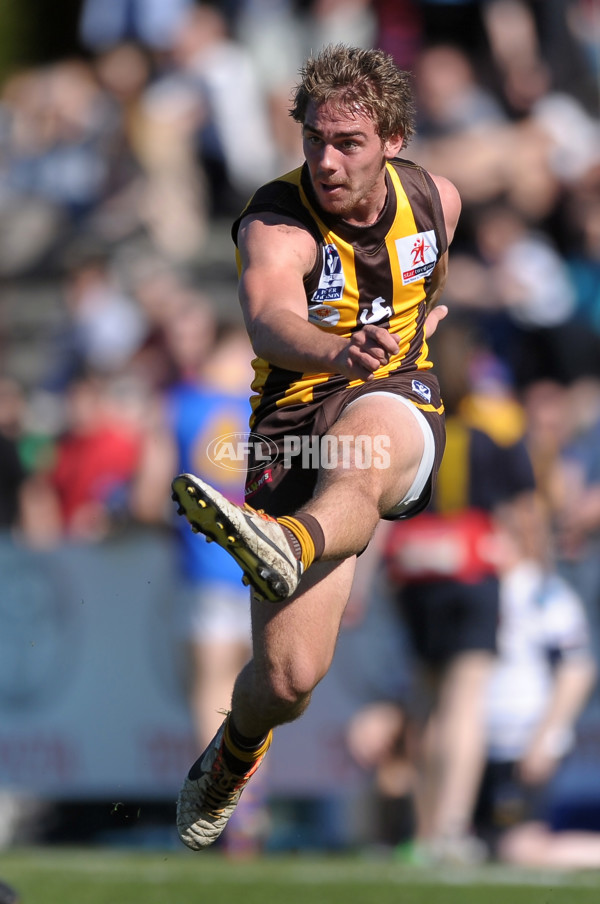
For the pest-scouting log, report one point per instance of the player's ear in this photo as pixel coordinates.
(393, 146)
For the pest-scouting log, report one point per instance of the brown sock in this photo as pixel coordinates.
(306, 537)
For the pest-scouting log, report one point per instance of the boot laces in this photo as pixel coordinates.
(223, 785)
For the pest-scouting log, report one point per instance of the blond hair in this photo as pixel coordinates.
(365, 80)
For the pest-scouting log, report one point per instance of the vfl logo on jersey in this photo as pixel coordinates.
(323, 313)
(379, 311)
(422, 390)
(417, 255)
(331, 281)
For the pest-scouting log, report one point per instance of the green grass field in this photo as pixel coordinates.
(100, 876)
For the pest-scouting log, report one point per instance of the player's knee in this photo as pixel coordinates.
(293, 684)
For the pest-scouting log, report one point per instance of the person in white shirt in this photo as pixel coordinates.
(538, 689)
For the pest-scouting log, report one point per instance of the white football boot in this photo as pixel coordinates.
(256, 541)
(207, 800)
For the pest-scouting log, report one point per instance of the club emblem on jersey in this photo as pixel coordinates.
(331, 281)
(323, 313)
(422, 390)
(379, 311)
(417, 255)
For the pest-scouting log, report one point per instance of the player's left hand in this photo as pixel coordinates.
(433, 318)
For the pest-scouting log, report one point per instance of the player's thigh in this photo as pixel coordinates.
(299, 635)
(382, 438)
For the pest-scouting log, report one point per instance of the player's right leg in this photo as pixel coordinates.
(256, 541)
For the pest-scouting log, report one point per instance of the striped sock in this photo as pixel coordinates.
(308, 535)
(241, 753)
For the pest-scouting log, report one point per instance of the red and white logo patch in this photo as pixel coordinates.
(418, 255)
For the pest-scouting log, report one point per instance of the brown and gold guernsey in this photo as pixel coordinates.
(377, 274)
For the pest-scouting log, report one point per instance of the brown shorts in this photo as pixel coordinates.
(283, 463)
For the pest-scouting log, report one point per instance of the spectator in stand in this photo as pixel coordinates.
(12, 469)
(451, 98)
(547, 419)
(175, 204)
(526, 303)
(125, 72)
(103, 326)
(462, 125)
(166, 199)
(60, 136)
(534, 699)
(583, 24)
(151, 23)
(399, 30)
(480, 157)
(583, 255)
(577, 499)
(222, 74)
(272, 32)
(163, 294)
(444, 575)
(563, 438)
(340, 21)
(538, 690)
(514, 45)
(460, 22)
(82, 495)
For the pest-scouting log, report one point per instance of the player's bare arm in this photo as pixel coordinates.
(276, 255)
(451, 205)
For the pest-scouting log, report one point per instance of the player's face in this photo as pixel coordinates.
(346, 160)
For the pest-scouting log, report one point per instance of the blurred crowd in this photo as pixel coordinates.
(118, 164)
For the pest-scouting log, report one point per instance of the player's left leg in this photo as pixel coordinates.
(293, 644)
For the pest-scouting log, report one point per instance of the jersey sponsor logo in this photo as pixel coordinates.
(254, 485)
(323, 313)
(379, 311)
(332, 280)
(422, 390)
(417, 255)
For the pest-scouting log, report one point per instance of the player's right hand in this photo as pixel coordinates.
(367, 350)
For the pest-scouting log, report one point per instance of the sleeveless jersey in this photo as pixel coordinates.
(376, 274)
